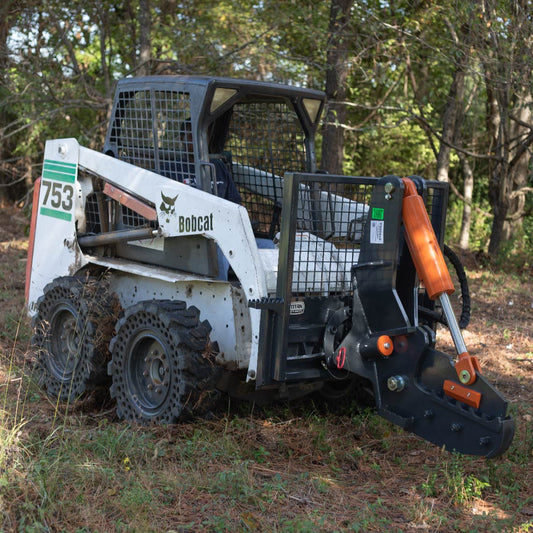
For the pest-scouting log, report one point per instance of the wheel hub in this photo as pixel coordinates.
(148, 372)
(65, 343)
(156, 370)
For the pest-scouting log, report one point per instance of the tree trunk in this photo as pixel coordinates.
(466, 222)
(336, 75)
(520, 162)
(507, 73)
(509, 177)
(4, 62)
(144, 38)
(450, 123)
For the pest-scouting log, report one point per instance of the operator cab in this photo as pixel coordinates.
(233, 138)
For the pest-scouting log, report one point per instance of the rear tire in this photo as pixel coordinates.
(161, 368)
(68, 337)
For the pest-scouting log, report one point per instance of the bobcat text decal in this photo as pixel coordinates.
(195, 223)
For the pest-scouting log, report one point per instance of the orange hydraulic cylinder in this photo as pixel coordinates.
(423, 245)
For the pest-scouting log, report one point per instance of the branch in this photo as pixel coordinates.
(521, 150)
(452, 145)
(5, 185)
(520, 192)
(520, 122)
(468, 202)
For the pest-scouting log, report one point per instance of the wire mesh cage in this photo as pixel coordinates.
(265, 141)
(153, 130)
(436, 206)
(330, 218)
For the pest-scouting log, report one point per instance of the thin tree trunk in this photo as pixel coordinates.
(4, 62)
(468, 190)
(450, 122)
(520, 163)
(336, 76)
(144, 38)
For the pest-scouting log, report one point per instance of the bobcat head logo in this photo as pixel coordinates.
(168, 205)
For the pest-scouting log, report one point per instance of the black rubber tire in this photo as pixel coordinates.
(68, 337)
(460, 299)
(339, 395)
(161, 366)
(463, 291)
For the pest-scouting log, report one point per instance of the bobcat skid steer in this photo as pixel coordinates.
(202, 251)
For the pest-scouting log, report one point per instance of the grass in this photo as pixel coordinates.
(282, 468)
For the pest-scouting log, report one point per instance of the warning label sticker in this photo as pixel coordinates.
(376, 231)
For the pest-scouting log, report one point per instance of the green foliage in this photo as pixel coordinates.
(395, 133)
(60, 64)
(480, 226)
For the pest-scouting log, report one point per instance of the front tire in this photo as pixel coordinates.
(161, 368)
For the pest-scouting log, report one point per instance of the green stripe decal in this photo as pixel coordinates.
(56, 214)
(59, 171)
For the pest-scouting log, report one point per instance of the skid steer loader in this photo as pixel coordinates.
(203, 251)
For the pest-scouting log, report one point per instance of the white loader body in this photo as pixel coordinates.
(181, 210)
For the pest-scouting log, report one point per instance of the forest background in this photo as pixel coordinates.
(440, 89)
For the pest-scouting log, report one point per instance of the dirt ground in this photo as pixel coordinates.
(386, 477)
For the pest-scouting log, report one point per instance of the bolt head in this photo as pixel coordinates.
(464, 376)
(396, 383)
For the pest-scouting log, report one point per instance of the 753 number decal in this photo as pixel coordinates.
(58, 195)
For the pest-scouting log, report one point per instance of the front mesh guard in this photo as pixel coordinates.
(419, 404)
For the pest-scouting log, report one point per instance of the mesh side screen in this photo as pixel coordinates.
(132, 220)
(92, 214)
(174, 136)
(330, 225)
(136, 134)
(154, 132)
(96, 216)
(265, 141)
(436, 207)
(104, 214)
